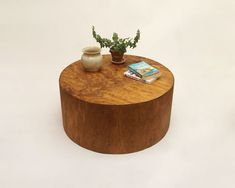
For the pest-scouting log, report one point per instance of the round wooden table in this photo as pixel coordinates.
(109, 113)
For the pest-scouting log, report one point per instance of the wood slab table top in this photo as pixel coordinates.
(109, 86)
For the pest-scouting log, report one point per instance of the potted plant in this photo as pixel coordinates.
(117, 45)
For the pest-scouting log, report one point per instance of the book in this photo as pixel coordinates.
(148, 79)
(143, 69)
(132, 75)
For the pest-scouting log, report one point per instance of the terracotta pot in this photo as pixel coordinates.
(117, 57)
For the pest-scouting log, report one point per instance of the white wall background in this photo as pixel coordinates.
(194, 38)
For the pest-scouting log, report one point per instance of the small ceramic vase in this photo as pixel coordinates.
(91, 58)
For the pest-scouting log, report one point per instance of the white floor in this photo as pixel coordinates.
(194, 38)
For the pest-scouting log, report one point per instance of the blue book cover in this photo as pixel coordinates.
(143, 69)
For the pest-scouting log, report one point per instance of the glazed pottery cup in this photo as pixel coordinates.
(91, 58)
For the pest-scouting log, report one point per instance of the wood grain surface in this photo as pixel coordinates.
(109, 86)
(109, 113)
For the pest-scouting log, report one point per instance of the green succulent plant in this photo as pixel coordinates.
(116, 44)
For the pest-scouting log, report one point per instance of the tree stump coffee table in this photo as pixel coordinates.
(109, 113)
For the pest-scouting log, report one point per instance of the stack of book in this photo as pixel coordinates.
(142, 71)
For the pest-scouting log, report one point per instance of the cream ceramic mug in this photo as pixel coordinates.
(91, 58)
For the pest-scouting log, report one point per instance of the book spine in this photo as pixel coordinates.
(134, 71)
(133, 77)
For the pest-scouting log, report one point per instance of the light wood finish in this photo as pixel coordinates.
(109, 113)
